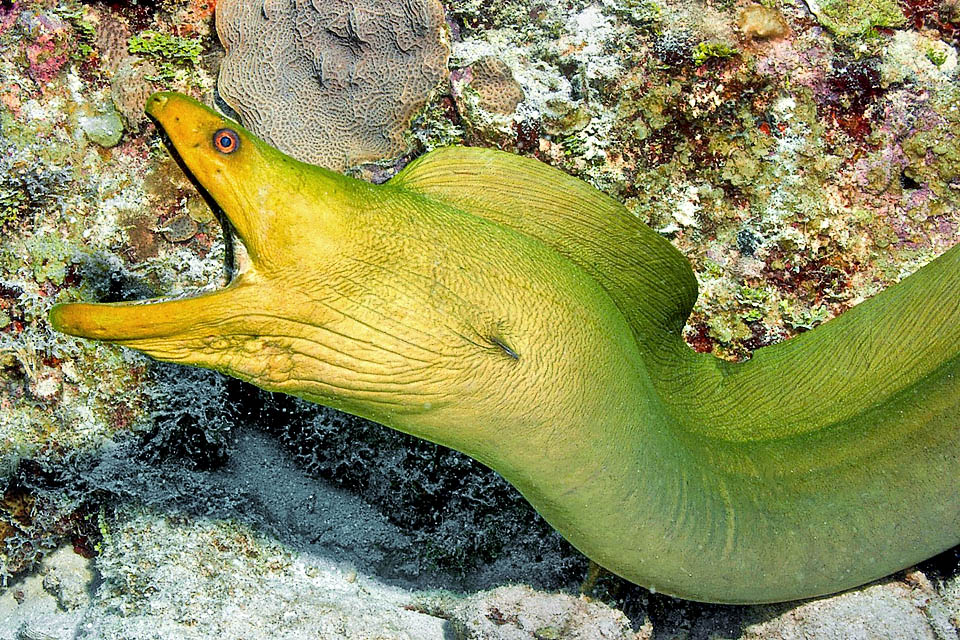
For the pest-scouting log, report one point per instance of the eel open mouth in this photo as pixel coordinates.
(187, 129)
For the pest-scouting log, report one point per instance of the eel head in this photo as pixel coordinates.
(291, 221)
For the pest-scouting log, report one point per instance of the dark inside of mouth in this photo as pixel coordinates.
(229, 264)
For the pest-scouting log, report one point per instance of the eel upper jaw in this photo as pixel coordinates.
(236, 257)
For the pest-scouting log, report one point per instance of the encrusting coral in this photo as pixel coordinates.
(331, 83)
(497, 89)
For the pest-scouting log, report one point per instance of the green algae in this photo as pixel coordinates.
(432, 129)
(84, 32)
(705, 51)
(934, 163)
(936, 56)
(169, 52)
(478, 16)
(646, 15)
(800, 317)
(849, 19)
(647, 109)
(563, 117)
(933, 153)
(741, 168)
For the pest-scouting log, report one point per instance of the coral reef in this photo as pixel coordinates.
(751, 153)
(72, 184)
(800, 174)
(331, 83)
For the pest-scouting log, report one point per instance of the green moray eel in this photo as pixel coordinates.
(495, 305)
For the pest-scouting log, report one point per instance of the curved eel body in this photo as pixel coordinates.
(495, 305)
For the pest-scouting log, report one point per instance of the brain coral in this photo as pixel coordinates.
(331, 82)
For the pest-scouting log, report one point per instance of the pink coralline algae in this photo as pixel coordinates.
(8, 17)
(47, 54)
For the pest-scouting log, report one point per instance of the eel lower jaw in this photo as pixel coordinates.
(142, 320)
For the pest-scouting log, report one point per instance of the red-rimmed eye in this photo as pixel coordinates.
(226, 140)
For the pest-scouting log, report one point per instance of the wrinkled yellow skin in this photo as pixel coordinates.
(497, 306)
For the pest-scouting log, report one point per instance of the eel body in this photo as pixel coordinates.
(495, 305)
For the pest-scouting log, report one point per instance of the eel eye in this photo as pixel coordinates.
(226, 140)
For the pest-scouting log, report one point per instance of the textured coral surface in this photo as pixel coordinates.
(802, 155)
(331, 82)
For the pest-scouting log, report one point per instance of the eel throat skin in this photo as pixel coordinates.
(495, 305)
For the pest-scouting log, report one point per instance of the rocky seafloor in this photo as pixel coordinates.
(802, 155)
